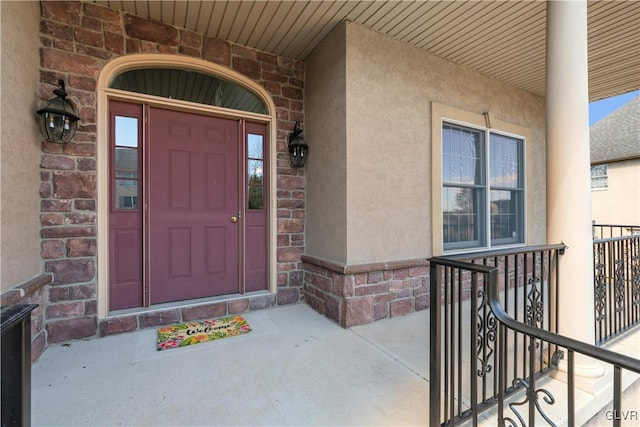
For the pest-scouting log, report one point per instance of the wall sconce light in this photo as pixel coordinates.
(58, 119)
(297, 147)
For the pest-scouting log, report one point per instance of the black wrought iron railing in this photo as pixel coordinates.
(464, 353)
(619, 362)
(447, 385)
(616, 285)
(603, 231)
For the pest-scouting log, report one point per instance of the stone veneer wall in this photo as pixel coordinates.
(359, 294)
(34, 291)
(77, 39)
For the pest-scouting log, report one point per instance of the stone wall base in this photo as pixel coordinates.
(161, 317)
(354, 295)
(34, 291)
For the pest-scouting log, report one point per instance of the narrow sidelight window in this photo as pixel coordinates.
(126, 173)
(255, 171)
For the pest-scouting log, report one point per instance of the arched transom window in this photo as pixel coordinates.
(188, 85)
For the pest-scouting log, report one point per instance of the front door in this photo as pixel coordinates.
(193, 209)
(188, 206)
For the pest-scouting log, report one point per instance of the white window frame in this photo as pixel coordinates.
(442, 114)
(602, 177)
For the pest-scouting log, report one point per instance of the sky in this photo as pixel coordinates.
(600, 109)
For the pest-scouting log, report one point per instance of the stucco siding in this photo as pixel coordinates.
(388, 150)
(20, 150)
(390, 86)
(326, 173)
(620, 202)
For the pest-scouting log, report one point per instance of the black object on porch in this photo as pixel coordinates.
(15, 331)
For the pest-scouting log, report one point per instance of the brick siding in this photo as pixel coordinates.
(77, 40)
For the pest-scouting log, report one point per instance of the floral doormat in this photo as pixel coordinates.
(196, 332)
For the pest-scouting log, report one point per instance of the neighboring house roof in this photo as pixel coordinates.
(617, 136)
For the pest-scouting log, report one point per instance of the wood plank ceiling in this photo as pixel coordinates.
(503, 39)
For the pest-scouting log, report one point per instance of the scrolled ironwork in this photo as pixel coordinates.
(487, 327)
(535, 308)
(483, 397)
(600, 286)
(531, 394)
(635, 280)
(618, 285)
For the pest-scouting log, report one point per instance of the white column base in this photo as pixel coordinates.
(589, 374)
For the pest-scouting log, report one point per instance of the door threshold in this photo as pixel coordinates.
(182, 304)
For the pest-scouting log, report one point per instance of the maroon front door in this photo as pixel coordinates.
(189, 199)
(193, 197)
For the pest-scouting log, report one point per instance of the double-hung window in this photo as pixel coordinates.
(599, 179)
(482, 188)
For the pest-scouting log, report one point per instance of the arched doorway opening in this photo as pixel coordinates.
(186, 174)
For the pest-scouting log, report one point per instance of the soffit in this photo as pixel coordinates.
(505, 39)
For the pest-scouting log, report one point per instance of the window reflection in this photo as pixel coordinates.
(125, 163)
(255, 171)
(483, 188)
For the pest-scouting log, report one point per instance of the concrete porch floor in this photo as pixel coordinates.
(296, 368)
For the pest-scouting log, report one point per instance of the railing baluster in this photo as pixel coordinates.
(485, 337)
(474, 348)
(571, 394)
(502, 367)
(541, 277)
(453, 354)
(524, 302)
(448, 387)
(617, 395)
(628, 250)
(516, 285)
(531, 388)
(435, 336)
(609, 310)
(503, 358)
(460, 298)
(496, 362)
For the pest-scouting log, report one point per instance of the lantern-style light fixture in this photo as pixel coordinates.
(58, 119)
(297, 147)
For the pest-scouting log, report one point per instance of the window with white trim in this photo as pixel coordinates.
(599, 179)
(482, 188)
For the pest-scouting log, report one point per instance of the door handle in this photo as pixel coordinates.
(234, 219)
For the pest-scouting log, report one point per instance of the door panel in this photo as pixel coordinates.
(214, 236)
(179, 252)
(193, 192)
(126, 265)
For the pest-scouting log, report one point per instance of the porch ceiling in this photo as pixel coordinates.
(505, 40)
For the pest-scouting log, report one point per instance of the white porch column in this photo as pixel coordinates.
(568, 164)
